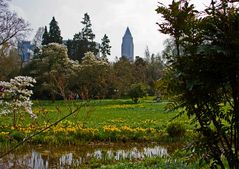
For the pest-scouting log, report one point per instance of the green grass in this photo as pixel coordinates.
(149, 163)
(97, 120)
(96, 113)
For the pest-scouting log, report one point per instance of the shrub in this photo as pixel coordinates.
(17, 135)
(137, 91)
(176, 130)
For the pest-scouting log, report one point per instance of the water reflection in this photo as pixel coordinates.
(71, 158)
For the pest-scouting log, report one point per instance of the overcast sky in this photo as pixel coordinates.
(109, 17)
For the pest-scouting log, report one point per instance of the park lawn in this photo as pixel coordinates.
(96, 120)
(100, 121)
(98, 113)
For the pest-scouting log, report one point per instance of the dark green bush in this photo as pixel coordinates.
(176, 130)
(17, 135)
(137, 91)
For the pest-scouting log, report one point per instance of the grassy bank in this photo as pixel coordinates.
(97, 120)
(153, 163)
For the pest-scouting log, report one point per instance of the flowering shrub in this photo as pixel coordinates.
(15, 96)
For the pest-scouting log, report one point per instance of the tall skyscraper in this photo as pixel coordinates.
(25, 50)
(127, 47)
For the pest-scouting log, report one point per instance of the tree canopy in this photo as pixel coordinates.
(54, 34)
(105, 47)
(202, 78)
(83, 41)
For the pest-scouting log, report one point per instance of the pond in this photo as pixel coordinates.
(39, 157)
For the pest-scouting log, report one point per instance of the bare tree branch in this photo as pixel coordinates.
(12, 27)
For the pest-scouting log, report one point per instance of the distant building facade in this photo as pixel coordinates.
(127, 47)
(25, 50)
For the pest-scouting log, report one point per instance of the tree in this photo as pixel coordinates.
(45, 37)
(203, 79)
(87, 32)
(37, 40)
(105, 47)
(54, 32)
(83, 41)
(53, 71)
(10, 62)
(178, 19)
(154, 72)
(16, 97)
(123, 75)
(12, 27)
(169, 51)
(137, 91)
(92, 81)
(140, 67)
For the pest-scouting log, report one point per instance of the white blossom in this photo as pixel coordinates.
(15, 95)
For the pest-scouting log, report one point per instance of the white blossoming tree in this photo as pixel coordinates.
(15, 96)
(92, 77)
(53, 71)
(57, 69)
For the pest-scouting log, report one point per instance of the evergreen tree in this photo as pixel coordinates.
(45, 37)
(105, 46)
(83, 41)
(87, 32)
(54, 32)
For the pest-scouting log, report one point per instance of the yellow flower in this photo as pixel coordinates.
(111, 128)
(127, 129)
(124, 106)
(151, 130)
(4, 133)
(139, 129)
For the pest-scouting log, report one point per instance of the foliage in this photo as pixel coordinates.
(105, 47)
(140, 69)
(54, 34)
(15, 96)
(53, 70)
(137, 91)
(45, 37)
(154, 72)
(203, 76)
(17, 135)
(123, 76)
(152, 163)
(60, 77)
(176, 130)
(179, 20)
(82, 42)
(12, 27)
(92, 78)
(10, 62)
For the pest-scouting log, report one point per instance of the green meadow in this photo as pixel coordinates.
(95, 120)
(103, 122)
(97, 113)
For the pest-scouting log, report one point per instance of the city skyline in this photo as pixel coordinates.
(109, 17)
